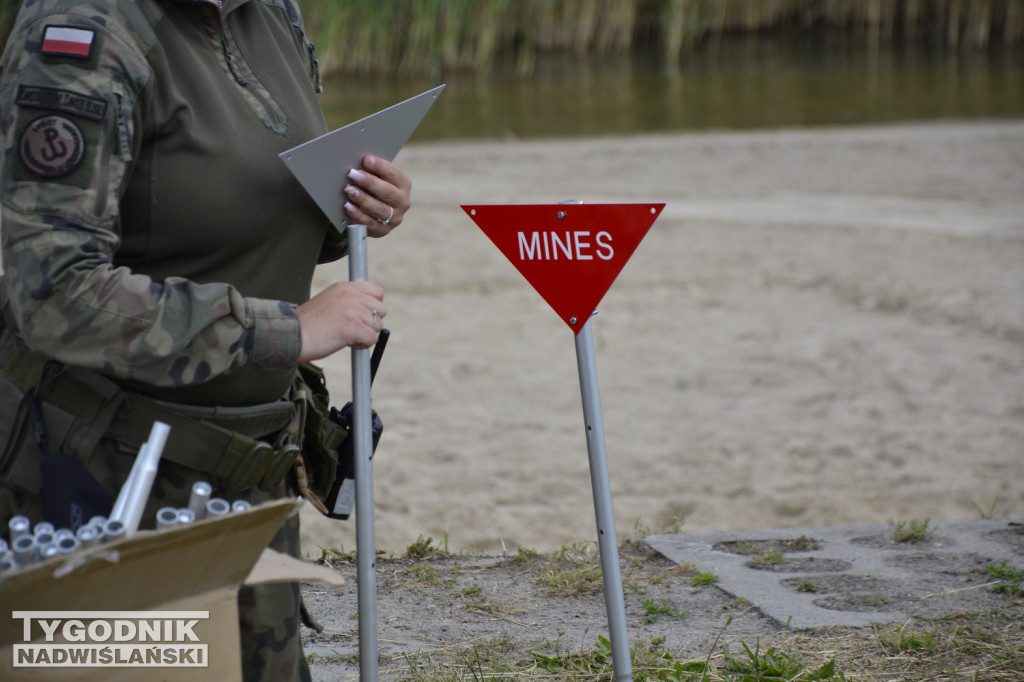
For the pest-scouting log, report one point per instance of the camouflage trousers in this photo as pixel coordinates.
(269, 616)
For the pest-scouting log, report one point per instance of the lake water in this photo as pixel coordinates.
(744, 83)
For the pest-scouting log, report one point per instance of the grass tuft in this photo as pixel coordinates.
(1011, 579)
(703, 579)
(572, 570)
(911, 531)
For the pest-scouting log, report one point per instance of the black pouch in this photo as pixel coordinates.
(70, 494)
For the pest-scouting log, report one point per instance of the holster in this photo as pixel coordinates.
(326, 471)
(318, 467)
(341, 499)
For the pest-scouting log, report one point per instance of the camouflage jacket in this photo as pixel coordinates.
(148, 229)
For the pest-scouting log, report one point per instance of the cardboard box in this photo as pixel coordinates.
(190, 570)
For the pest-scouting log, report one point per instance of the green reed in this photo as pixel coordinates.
(432, 37)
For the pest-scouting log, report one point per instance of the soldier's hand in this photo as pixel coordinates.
(344, 315)
(378, 196)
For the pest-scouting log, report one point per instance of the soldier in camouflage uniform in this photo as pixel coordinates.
(158, 259)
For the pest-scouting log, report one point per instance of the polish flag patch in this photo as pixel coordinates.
(67, 41)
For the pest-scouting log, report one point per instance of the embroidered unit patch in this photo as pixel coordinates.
(52, 146)
(68, 41)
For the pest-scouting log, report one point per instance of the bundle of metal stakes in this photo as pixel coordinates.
(29, 544)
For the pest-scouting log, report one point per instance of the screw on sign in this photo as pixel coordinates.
(570, 253)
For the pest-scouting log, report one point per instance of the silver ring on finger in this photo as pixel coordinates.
(374, 318)
(387, 221)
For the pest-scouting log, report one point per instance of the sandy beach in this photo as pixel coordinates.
(824, 327)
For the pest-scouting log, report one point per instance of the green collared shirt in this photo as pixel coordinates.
(149, 229)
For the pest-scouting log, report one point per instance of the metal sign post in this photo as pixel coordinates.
(362, 431)
(571, 254)
(607, 543)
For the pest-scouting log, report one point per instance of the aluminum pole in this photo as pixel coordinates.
(362, 431)
(131, 501)
(599, 480)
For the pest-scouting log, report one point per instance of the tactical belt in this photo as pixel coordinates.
(221, 441)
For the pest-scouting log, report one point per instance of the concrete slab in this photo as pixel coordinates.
(854, 575)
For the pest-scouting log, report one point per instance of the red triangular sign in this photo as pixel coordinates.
(570, 253)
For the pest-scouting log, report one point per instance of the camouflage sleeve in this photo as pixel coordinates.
(68, 89)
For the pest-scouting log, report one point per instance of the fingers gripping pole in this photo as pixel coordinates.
(362, 431)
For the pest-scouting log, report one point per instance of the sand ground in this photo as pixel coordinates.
(824, 327)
